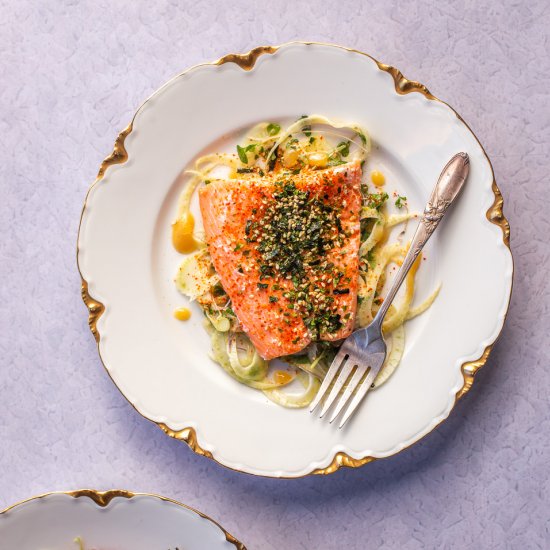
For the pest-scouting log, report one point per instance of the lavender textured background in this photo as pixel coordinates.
(71, 75)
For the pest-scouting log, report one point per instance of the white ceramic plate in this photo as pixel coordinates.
(128, 264)
(112, 520)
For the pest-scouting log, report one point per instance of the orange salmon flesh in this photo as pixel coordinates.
(286, 249)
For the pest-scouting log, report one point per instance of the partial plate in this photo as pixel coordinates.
(117, 520)
(128, 265)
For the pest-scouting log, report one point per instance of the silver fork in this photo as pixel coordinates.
(363, 353)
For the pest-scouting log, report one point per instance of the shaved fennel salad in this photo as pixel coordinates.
(310, 143)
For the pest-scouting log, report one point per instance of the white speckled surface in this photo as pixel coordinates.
(71, 76)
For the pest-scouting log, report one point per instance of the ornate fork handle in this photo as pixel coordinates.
(433, 213)
(448, 187)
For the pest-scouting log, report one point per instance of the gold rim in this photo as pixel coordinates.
(402, 86)
(103, 499)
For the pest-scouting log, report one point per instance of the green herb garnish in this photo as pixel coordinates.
(335, 159)
(273, 159)
(400, 201)
(343, 148)
(371, 259)
(376, 200)
(243, 150)
(273, 129)
(297, 230)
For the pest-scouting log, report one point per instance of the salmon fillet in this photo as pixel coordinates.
(286, 249)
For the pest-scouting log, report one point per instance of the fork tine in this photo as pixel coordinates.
(354, 382)
(360, 394)
(338, 385)
(341, 356)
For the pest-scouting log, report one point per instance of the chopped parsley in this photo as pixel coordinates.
(243, 150)
(335, 159)
(295, 233)
(273, 129)
(399, 202)
(376, 200)
(341, 291)
(371, 259)
(249, 227)
(217, 290)
(343, 148)
(273, 159)
(291, 143)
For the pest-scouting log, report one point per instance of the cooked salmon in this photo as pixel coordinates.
(286, 248)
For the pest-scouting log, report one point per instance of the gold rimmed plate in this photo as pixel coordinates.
(127, 262)
(109, 519)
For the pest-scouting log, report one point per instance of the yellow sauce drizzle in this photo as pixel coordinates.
(182, 314)
(282, 377)
(182, 234)
(377, 178)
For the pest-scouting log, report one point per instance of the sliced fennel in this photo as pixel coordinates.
(199, 173)
(362, 150)
(311, 385)
(423, 306)
(220, 322)
(314, 365)
(377, 232)
(303, 144)
(396, 219)
(195, 276)
(399, 315)
(369, 285)
(219, 341)
(244, 359)
(397, 348)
